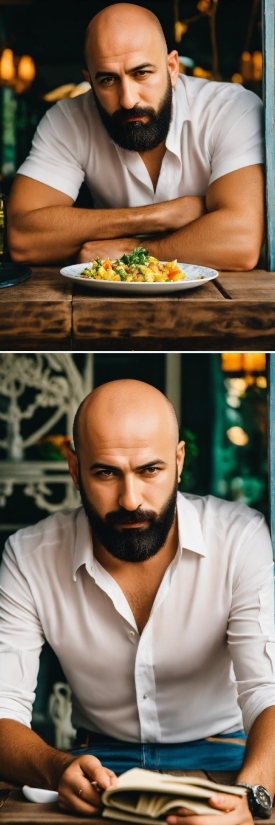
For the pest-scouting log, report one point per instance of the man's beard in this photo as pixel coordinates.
(137, 136)
(133, 544)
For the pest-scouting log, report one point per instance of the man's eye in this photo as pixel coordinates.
(105, 473)
(107, 81)
(151, 471)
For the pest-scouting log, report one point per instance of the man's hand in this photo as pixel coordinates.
(80, 776)
(113, 248)
(235, 812)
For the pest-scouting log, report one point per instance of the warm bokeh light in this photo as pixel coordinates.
(7, 67)
(261, 382)
(26, 68)
(257, 59)
(180, 30)
(237, 436)
(59, 93)
(199, 72)
(243, 361)
(67, 90)
(251, 66)
(237, 78)
(81, 89)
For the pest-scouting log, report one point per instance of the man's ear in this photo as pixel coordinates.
(173, 66)
(73, 467)
(180, 457)
(86, 75)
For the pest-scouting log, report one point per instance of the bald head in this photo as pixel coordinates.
(123, 407)
(117, 26)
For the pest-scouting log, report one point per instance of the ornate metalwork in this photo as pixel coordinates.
(58, 387)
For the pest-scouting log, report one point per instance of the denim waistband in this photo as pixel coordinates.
(85, 738)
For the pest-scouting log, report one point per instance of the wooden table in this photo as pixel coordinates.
(48, 312)
(14, 808)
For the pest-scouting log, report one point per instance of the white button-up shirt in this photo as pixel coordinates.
(216, 128)
(213, 612)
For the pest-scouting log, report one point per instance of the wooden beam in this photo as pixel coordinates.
(268, 21)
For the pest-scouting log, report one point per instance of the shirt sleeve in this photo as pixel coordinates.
(251, 637)
(55, 156)
(236, 135)
(21, 640)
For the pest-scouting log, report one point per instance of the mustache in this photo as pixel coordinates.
(126, 517)
(122, 115)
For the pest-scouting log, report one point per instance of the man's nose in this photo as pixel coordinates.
(129, 494)
(128, 94)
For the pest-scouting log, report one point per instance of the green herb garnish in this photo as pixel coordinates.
(138, 256)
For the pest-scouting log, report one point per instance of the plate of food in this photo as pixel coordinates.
(138, 272)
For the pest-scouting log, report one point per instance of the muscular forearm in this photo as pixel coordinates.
(217, 239)
(259, 762)
(53, 233)
(27, 759)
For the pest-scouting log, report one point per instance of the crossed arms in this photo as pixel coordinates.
(225, 230)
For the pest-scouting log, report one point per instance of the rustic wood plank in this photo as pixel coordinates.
(44, 320)
(237, 311)
(174, 319)
(257, 285)
(44, 283)
(39, 308)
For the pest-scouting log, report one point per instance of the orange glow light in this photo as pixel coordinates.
(243, 361)
(26, 68)
(7, 67)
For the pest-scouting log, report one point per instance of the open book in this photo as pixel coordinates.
(144, 796)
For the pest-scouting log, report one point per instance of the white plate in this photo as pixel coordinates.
(39, 794)
(193, 278)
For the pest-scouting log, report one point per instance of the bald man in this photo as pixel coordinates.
(175, 159)
(148, 597)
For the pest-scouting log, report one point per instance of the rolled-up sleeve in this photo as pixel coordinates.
(236, 134)
(55, 156)
(21, 640)
(251, 637)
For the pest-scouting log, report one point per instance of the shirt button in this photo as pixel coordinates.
(132, 634)
(145, 695)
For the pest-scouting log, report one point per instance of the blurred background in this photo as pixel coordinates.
(221, 403)
(41, 55)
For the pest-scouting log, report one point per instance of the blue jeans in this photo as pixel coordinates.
(220, 753)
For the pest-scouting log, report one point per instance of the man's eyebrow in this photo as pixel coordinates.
(128, 71)
(98, 465)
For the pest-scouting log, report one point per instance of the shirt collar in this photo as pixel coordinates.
(83, 552)
(189, 527)
(180, 113)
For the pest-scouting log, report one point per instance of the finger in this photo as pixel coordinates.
(194, 819)
(74, 803)
(104, 777)
(239, 815)
(224, 802)
(92, 768)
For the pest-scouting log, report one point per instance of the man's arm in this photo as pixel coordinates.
(228, 236)
(26, 759)
(258, 769)
(44, 228)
